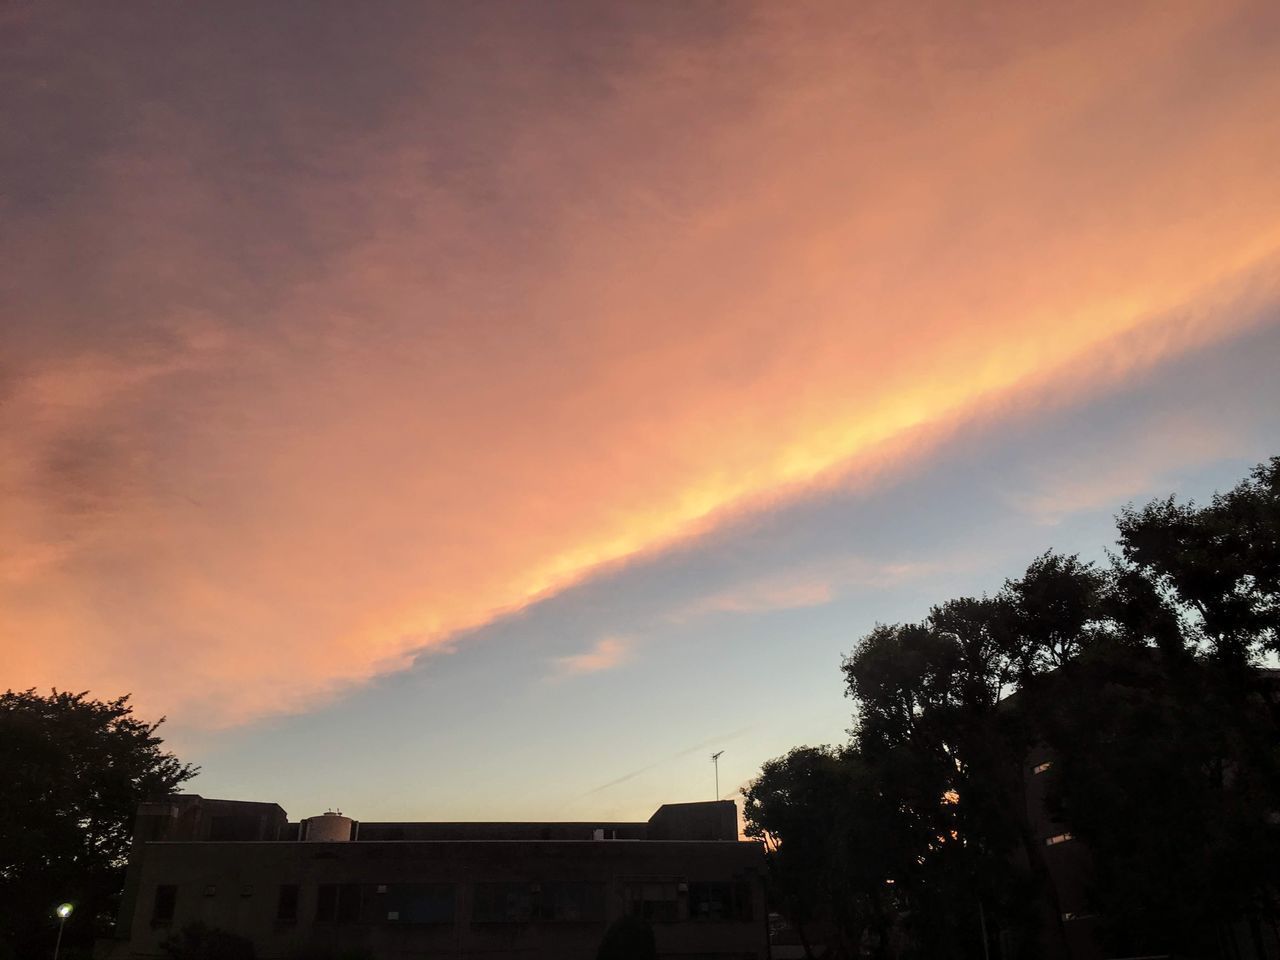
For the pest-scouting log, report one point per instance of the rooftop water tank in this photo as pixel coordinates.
(329, 827)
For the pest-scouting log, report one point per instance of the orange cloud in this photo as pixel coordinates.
(759, 597)
(244, 470)
(606, 654)
(811, 586)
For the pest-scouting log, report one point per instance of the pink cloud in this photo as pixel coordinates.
(280, 428)
(1144, 466)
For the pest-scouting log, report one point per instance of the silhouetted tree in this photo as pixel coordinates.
(1145, 680)
(1170, 767)
(75, 770)
(1220, 563)
(837, 846)
(929, 720)
(628, 938)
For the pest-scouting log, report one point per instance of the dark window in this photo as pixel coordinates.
(165, 903)
(719, 900)
(235, 827)
(327, 901)
(571, 900)
(653, 899)
(338, 902)
(349, 902)
(287, 903)
(568, 900)
(416, 902)
(503, 903)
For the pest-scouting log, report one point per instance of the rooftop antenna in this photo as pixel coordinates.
(715, 758)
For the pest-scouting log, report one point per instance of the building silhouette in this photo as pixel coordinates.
(543, 891)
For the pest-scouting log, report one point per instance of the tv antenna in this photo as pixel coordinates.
(715, 758)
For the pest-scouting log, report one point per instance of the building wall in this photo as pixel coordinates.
(497, 890)
(1067, 859)
(715, 820)
(422, 890)
(501, 831)
(1070, 864)
(193, 817)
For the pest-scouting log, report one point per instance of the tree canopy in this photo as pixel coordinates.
(1145, 680)
(76, 769)
(628, 938)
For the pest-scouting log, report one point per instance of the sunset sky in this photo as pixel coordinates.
(488, 410)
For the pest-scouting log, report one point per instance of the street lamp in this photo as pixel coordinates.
(63, 911)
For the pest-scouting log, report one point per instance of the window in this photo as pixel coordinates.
(719, 900)
(338, 902)
(521, 902)
(416, 902)
(571, 900)
(349, 902)
(1057, 839)
(235, 827)
(503, 903)
(210, 890)
(165, 903)
(653, 899)
(287, 903)
(327, 901)
(1042, 767)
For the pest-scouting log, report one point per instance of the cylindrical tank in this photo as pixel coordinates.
(329, 826)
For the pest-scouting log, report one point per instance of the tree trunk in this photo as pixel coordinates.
(804, 941)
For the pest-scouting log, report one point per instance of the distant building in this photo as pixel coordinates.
(1070, 865)
(542, 891)
(1068, 862)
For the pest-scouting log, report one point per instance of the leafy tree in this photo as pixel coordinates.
(929, 716)
(1057, 609)
(828, 829)
(1143, 678)
(1177, 797)
(1220, 562)
(791, 800)
(628, 938)
(75, 770)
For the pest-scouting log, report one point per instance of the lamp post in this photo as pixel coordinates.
(715, 758)
(63, 911)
